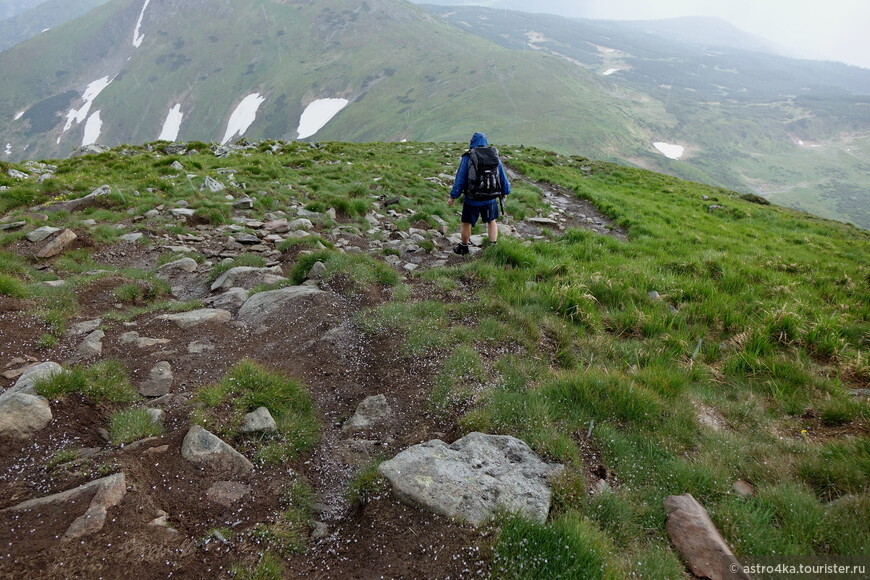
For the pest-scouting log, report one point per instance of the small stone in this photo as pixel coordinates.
(57, 244)
(743, 489)
(258, 421)
(92, 346)
(39, 234)
(202, 447)
(159, 381)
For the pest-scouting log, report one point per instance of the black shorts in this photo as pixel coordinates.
(486, 213)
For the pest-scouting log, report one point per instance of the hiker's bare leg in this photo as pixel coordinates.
(465, 232)
(492, 231)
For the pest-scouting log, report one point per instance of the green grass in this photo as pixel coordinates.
(288, 534)
(103, 382)
(130, 425)
(248, 386)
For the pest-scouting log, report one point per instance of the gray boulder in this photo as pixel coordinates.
(197, 317)
(57, 244)
(205, 448)
(263, 304)
(181, 266)
(230, 300)
(474, 478)
(92, 345)
(25, 383)
(246, 277)
(107, 492)
(40, 234)
(22, 415)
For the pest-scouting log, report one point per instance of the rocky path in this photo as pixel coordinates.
(164, 513)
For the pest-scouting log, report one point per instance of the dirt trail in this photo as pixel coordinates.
(315, 341)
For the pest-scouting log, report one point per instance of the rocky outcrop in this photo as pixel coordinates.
(197, 317)
(473, 478)
(261, 306)
(107, 492)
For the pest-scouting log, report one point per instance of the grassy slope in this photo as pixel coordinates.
(762, 321)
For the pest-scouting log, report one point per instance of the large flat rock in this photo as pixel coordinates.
(473, 478)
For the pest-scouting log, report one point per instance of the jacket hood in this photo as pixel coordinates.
(478, 140)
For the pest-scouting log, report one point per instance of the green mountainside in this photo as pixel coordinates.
(701, 342)
(797, 132)
(405, 73)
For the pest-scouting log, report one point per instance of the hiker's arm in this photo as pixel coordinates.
(505, 184)
(460, 179)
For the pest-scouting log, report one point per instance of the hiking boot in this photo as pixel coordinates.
(461, 249)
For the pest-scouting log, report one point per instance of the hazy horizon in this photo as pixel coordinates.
(834, 30)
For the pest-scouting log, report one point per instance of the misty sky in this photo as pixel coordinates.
(818, 29)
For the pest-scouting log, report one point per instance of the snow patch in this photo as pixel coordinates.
(670, 151)
(18, 115)
(318, 114)
(9, 149)
(78, 115)
(93, 128)
(138, 38)
(611, 71)
(172, 124)
(243, 116)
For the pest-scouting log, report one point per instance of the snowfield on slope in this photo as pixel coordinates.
(92, 91)
(317, 114)
(243, 116)
(137, 37)
(670, 151)
(172, 124)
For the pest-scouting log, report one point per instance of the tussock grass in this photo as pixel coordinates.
(248, 386)
(130, 425)
(105, 381)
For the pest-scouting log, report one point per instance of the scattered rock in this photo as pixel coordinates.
(92, 346)
(57, 244)
(473, 478)
(202, 447)
(230, 300)
(22, 415)
(159, 381)
(372, 413)
(134, 237)
(697, 539)
(181, 266)
(197, 317)
(227, 493)
(199, 347)
(743, 489)
(246, 277)
(133, 338)
(212, 185)
(259, 421)
(39, 234)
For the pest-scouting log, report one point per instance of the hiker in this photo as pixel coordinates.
(481, 178)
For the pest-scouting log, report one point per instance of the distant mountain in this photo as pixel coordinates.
(795, 131)
(19, 27)
(705, 32)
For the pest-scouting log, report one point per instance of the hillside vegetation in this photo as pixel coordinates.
(722, 340)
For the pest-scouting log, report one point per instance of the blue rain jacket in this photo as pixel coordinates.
(478, 140)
